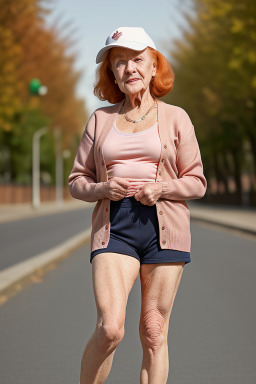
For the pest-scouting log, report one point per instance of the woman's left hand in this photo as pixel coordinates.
(149, 193)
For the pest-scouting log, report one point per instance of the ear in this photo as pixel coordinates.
(154, 71)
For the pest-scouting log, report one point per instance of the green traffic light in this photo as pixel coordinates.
(34, 86)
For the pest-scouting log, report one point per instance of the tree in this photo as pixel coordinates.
(215, 73)
(32, 50)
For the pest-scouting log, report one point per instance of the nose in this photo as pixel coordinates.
(130, 66)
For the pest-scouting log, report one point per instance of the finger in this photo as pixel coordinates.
(123, 182)
(120, 191)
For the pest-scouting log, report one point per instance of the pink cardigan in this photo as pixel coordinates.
(180, 170)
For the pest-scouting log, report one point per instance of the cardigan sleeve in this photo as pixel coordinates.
(82, 179)
(191, 182)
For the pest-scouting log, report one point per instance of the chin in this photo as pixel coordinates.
(134, 90)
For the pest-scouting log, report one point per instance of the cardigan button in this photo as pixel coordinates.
(103, 242)
(99, 148)
(164, 241)
(165, 146)
(161, 212)
(160, 173)
(162, 160)
(106, 226)
(102, 163)
(163, 227)
(106, 209)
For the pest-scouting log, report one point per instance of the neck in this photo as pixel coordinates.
(139, 101)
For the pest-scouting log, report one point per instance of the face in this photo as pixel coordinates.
(133, 70)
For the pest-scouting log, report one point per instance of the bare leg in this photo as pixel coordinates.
(95, 366)
(159, 285)
(113, 277)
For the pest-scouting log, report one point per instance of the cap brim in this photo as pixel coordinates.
(126, 44)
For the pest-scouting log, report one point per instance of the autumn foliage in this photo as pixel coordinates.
(30, 50)
(215, 70)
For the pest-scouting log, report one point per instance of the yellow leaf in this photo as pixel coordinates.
(237, 26)
(234, 64)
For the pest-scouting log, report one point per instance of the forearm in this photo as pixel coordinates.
(81, 189)
(186, 188)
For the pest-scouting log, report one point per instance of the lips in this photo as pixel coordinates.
(132, 80)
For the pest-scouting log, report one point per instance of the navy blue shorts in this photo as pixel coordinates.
(134, 231)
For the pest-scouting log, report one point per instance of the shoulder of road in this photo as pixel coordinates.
(242, 219)
(13, 212)
(232, 217)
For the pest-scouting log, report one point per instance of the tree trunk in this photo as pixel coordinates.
(252, 140)
(237, 171)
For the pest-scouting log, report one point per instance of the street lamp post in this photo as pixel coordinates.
(36, 88)
(36, 166)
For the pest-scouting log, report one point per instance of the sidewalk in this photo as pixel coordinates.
(14, 278)
(13, 212)
(240, 218)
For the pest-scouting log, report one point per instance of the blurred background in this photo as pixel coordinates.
(47, 72)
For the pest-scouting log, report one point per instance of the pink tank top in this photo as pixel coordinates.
(133, 156)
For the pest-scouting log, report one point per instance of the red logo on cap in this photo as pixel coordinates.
(116, 35)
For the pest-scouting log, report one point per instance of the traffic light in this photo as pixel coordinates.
(36, 88)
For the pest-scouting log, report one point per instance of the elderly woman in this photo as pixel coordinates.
(140, 160)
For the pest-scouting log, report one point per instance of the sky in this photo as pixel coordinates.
(91, 22)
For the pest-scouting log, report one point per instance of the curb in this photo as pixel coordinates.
(12, 278)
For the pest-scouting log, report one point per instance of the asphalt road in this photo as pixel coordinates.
(26, 238)
(212, 337)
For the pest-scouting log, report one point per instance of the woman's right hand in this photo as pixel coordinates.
(116, 188)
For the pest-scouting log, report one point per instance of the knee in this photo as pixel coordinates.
(152, 330)
(109, 334)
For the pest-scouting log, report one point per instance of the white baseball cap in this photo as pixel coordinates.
(128, 37)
